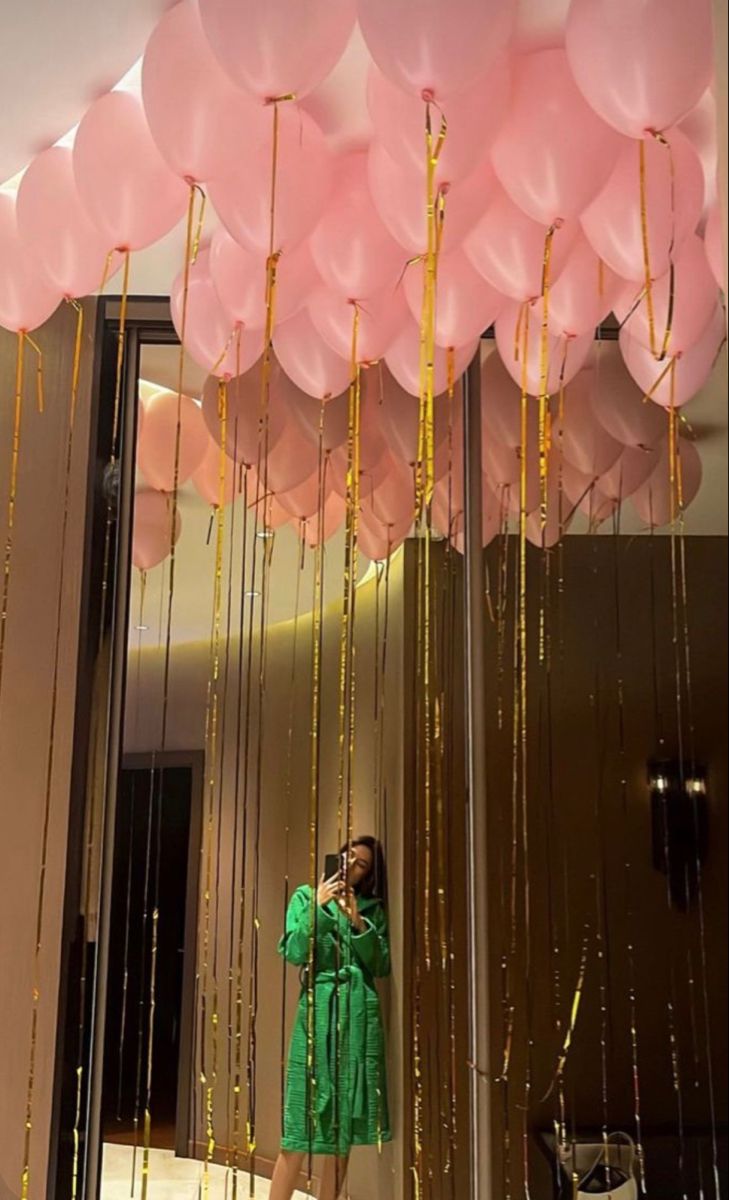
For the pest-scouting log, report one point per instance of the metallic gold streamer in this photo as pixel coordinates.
(317, 624)
(646, 248)
(125, 955)
(12, 498)
(238, 1072)
(627, 865)
(209, 1078)
(262, 494)
(679, 585)
(192, 237)
(50, 757)
(143, 978)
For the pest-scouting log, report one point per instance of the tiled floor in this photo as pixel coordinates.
(170, 1178)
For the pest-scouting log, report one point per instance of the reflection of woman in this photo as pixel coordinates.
(336, 1093)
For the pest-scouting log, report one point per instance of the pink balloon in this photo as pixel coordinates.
(158, 438)
(553, 153)
(559, 511)
(151, 534)
(576, 485)
(403, 359)
(714, 245)
(618, 403)
(583, 441)
(474, 117)
(215, 343)
(370, 475)
(565, 356)
(206, 477)
(701, 128)
(692, 370)
(501, 406)
(399, 195)
(392, 501)
(501, 465)
(373, 446)
(27, 297)
(240, 280)
(273, 514)
(353, 251)
(59, 235)
(242, 195)
(630, 471)
(243, 440)
(308, 360)
(374, 540)
(335, 425)
(291, 461)
(507, 248)
(276, 50)
(425, 46)
(613, 222)
(197, 118)
(691, 298)
(652, 501)
(321, 527)
(584, 293)
(302, 501)
(127, 188)
(448, 518)
(447, 510)
(399, 416)
(466, 304)
(380, 320)
(141, 413)
(641, 66)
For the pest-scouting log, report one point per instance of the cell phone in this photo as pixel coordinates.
(332, 866)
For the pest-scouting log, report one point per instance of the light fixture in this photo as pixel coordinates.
(252, 595)
(265, 533)
(680, 822)
(141, 628)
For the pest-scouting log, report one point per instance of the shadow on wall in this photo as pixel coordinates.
(5, 1192)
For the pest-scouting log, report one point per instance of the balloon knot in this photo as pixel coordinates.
(428, 95)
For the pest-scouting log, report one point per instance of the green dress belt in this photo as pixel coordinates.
(345, 986)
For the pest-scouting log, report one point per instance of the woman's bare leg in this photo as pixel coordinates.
(333, 1178)
(286, 1175)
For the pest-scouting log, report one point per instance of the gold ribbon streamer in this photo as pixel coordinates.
(657, 353)
(192, 237)
(50, 757)
(12, 498)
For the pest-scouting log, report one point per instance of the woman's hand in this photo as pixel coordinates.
(347, 901)
(329, 889)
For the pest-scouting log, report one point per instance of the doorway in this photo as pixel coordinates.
(152, 949)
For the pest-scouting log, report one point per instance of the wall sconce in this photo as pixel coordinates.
(680, 823)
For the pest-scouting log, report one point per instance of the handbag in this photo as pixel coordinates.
(606, 1172)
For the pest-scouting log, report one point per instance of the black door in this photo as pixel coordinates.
(149, 919)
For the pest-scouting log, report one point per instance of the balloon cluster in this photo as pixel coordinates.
(579, 148)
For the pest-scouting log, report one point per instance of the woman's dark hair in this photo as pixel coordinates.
(374, 885)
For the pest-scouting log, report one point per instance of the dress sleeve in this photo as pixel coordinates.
(295, 943)
(372, 946)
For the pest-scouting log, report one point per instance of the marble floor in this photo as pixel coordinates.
(170, 1178)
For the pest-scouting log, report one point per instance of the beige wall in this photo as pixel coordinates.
(25, 720)
(190, 668)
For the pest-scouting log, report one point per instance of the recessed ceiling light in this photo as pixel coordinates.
(252, 595)
(141, 628)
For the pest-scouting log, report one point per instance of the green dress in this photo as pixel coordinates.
(336, 1092)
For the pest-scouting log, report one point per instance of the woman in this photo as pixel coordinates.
(336, 1093)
